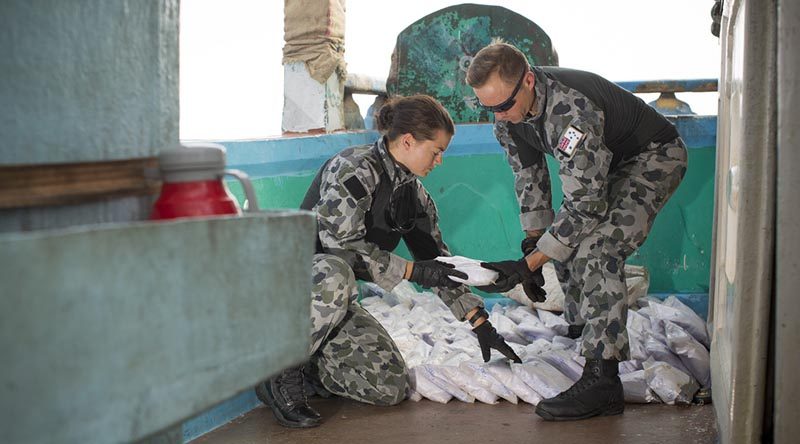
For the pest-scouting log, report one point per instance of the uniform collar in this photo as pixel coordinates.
(540, 92)
(397, 173)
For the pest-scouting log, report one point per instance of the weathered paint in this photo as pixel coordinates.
(84, 81)
(309, 105)
(111, 333)
(87, 80)
(432, 55)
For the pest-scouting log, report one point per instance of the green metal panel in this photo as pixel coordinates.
(111, 333)
(432, 55)
(479, 215)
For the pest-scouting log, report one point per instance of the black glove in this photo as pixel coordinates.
(511, 274)
(488, 339)
(533, 286)
(433, 273)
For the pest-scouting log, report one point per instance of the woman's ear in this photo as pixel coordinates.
(407, 141)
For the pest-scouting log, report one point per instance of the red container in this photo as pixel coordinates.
(193, 185)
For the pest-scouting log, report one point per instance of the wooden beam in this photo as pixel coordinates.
(23, 186)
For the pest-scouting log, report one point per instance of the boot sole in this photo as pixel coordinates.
(263, 395)
(547, 416)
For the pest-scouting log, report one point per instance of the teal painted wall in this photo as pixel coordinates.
(473, 190)
(86, 81)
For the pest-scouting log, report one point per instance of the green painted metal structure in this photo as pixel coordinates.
(473, 190)
(432, 55)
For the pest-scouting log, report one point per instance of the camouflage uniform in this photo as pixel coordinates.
(619, 162)
(365, 203)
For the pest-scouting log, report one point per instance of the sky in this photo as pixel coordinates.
(231, 77)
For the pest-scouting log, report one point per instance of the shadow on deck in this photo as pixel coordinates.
(460, 423)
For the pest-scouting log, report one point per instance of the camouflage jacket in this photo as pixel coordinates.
(353, 189)
(590, 126)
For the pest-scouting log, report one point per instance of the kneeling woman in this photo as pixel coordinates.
(367, 198)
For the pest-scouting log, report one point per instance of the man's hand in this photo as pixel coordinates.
(489, 339)
(534, 285)
(433, 273)
(511, 274)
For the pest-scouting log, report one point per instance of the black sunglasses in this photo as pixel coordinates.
(505, 106)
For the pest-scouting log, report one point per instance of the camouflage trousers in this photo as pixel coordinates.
(352, 355)
(593, 278)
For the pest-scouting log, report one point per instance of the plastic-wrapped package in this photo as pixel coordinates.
(403, 293)
(645, 309)
(501, 371)
(554, 322)
(438, 377)
(532, 329)
(661, 352)
(506, 327)
(692, 353)
(634, 384)
(421, 384)
(563, 343)
(670, 384)
(675, 311)
(537, 347)
(418, 355)
(441, 352)
(694, 324)
(629, 366)
(542, 377)
(564, 362)
(464, 377)
(476, 275)
(485, 379)
(637, 348)
(637, 322)
(520, 313)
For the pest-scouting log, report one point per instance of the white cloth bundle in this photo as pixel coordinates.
(476, 275)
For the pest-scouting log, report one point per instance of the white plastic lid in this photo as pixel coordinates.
(192, 162)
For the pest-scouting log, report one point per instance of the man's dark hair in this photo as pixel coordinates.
(507, 60)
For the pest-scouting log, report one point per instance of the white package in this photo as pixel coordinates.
(427, 389)
(542, 377)
(670, 384)
(661, 352)
(634, 385)
(501, 371)
(564, 362)
(464, 377)
(674, 310)
(483, 377)
(553, 321)
(692, 353)
(436, 376)
(476, 275)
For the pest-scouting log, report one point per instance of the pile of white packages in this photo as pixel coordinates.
(668, 343)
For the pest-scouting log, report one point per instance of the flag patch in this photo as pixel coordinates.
(570, 140)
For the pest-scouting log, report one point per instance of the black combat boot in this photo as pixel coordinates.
(575, 331)
(598, 392)
(285, 395)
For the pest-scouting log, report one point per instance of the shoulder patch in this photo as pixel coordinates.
(570, 140)
(355, 187)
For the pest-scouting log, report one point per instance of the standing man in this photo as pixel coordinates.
(619, 161)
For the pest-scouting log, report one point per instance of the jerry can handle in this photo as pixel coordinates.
(251, 205)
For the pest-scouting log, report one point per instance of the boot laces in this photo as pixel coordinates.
(586, 381)
(291, 386)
